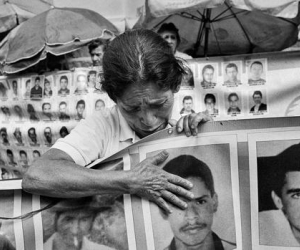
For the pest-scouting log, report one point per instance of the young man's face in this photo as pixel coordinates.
(187, 105)
(32, 135)
(209, 104)
(47, 86)
(256, 71)
(63, 108)
(232, 74)
(47, 108)
(290, 201)
(193, 225)
(72, 226)
(171, 38)
(80, 108)
(99, 105)
(257, 99)
(208, 75)
(23, 157)
(81, 82)
(233, 101)
(97, 55)
(63, 83)
(37, 82)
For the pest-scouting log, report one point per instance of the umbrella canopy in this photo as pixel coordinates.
(221, 29)
(14, 12)
(57, 31)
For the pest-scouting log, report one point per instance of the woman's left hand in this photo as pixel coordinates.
(189, 123)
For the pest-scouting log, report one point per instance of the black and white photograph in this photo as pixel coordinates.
(275, 186)
(187, 104)
(4, 88)
(25, 87)
(256, 71)
(14, 88)
(37, 87)
(211, 104)
(258, 104)
(63, 83)
(95, 222)
(232, 72)
(5, 113)
(211, 165)
(63, 111)
(48, 111)
(80, 82)
(48, 86)
(208, 75)
(233, 103)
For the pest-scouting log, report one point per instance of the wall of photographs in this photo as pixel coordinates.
(37, 110)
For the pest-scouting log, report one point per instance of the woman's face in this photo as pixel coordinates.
(146, 108)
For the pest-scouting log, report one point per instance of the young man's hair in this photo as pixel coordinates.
(80, 102)
(210, 96)
(208, 66)
(140, 57)
(256, 62)
(231, 95)
(286, 161)
(44, 104)
(189, 166)
(231, 65)
(257, 92)
(64, 78)
(187, 97)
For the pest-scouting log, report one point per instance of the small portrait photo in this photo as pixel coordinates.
(48, 136)
(232, 73)
(258, 102)
(4, 136)
(80, 108)
(36, 154)
(5, 114)
(233, 103)
(63, 83)
(48, 114)
(99, 80)
(32, 111)
(209, 74)
(6, 174)
(33, 137)
(19, 113)
(92, 80)
(2, 159)
(37, 85)
(210, 104)
(26, 87)
(48, 86)
(9, 229)
(63, 131)
(256, 71)
(187, 104)
(14, 86)
(99, 104)
(18, 136)
(11, 157)
(187, 81)
(209, 168)
(4, 89)
(275, 190)
(63, 111)
(80, 78)
(23, 160)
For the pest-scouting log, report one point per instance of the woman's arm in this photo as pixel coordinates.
(55, 174)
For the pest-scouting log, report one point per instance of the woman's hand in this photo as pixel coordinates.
(149, 181)
(189, 123)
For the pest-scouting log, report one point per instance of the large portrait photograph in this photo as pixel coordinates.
(275, 190)
(212, 218)
(89, 223)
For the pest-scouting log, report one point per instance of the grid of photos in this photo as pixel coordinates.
(211, 165)
(37, 110)
(275, 189)
(230, 89)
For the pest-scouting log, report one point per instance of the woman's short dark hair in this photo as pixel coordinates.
(140, 56)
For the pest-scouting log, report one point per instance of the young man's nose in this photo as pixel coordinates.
(148, 118)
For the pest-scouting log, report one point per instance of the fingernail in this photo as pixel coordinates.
(170, 131)
(192, 126)
(194, 133)
(185, 205)
(192, 196)
(179, 129)
(188, 134)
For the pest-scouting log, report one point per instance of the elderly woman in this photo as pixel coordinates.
(141, 75)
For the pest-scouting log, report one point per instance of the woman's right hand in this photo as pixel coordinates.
(149, 181)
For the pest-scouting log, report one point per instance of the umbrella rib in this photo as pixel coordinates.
(229, 16)
(242, 27)
(190, 16)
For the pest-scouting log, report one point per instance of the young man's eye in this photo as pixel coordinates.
(296, 195)
(200, 202)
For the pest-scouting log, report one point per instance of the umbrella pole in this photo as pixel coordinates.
(207, 29)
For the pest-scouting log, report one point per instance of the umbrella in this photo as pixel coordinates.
(57, 31)
(224, 29)
(14, 12)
